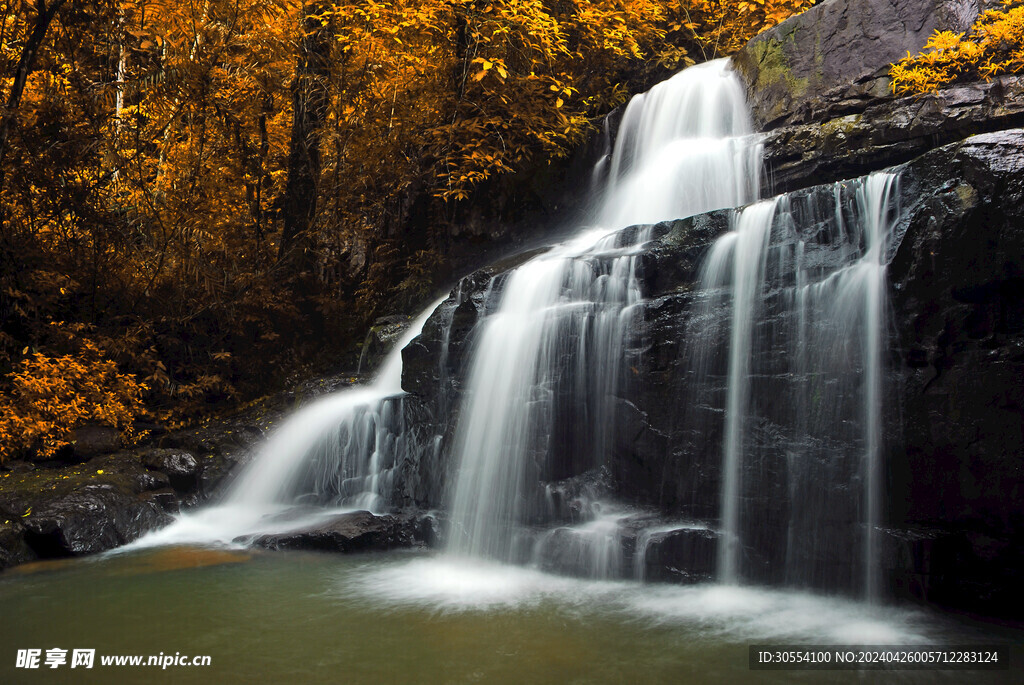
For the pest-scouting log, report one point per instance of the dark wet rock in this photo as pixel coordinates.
(432, 364)
(950, 566)
(889, 132)
(572, 552)
(307, 390)
(358, 531)
(571, 499)
(96, 506)
(13, 548)
(167, 499)
(93, 440)
(96, 518)
(179, 466)
(147, 481)
(379, 340)
(683, 555)
(92, 507)
(833, 60)
(958, 282)
(429, 529)
(218, 449)
(220, 438)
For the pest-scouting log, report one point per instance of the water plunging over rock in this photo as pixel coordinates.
(709, 397)
(337, 454)
(798, 288)
(539, 403)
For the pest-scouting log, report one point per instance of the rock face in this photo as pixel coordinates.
(889, 132)
(958, 284)
(833, 59)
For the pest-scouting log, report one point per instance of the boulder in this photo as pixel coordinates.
(684, 555)
(358, 531)
(93, 440)
(180, 467)
(379, 340)
(104, 503)
(96, 518)
(13, 548)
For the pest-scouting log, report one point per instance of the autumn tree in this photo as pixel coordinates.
(205, 192)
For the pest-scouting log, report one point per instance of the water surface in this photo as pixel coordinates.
(417, 618)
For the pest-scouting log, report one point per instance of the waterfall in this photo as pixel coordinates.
(876, 210)
(738, 259)
(540, 396)
(784, 349)
(798, 289)
(338, 450)
(338, 453)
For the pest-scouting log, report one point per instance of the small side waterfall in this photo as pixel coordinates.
(337, 453)
(798, 289)
(542, 383)
(339, 450)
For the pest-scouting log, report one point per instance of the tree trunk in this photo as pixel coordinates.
(311, 97)
(26, 63)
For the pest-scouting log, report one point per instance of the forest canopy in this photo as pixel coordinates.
(199, 198)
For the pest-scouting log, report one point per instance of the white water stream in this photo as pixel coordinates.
(682, 149)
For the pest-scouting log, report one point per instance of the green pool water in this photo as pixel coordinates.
(416, 618)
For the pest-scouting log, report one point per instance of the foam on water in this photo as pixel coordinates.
(729, 612)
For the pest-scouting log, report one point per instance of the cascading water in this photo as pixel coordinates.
(541, 388)
(795, 289)
(737, 260)
(336, 454)
(798, 288)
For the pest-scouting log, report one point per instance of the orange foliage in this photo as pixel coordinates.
(993, 46)
(148, 163)
(50, 396)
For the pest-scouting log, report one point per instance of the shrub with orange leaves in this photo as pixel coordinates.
(49, 397)
(993, 46)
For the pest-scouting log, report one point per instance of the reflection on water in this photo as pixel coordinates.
(414, 618)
